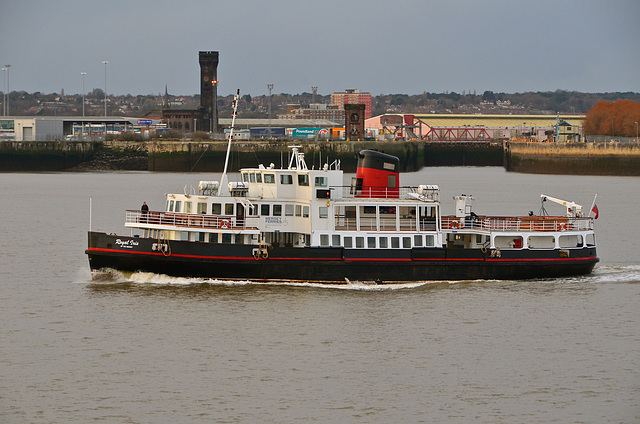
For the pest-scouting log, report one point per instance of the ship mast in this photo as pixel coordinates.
(224, 189)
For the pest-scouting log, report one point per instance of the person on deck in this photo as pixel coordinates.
(145, 211)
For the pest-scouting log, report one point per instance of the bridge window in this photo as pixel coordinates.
(321, 181)
(245, 177)
(178, 206)
(228, 208)
(216, 209)
(258, 177)
(303, 179)
(269, 178)
(286, 179)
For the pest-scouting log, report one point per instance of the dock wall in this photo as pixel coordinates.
(198, 156)
(573, 159)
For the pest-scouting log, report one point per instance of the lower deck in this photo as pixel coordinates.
(333, 264)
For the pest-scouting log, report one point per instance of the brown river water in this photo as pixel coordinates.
(154, 349)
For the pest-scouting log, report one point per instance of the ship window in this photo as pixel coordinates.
(321, 181)
(184, 235)
(406, 242)
(305, 211)
(298, 210)
(570, 241)
(213, 237)
(591, 239)
(371, 242)
(348, 242)
(429, 241)
(202, 208)
(535, 242)
(277, 210)
(391, 181)
(245, 177)
(323, 211)
(303, 179)
(187, 207)
(360, 242)
(270, 178)
(178, 206)
(324, 239)
(286, 179)
(383, 242)
(226, 237)
(335, 240)
(228, 208)
(238, 239)
(252, 177)
(417, 241)
(258, 177)
(288, 210)
(171, 206)
(264, 210)
(395, 242)
(200, 236)
(216, 209)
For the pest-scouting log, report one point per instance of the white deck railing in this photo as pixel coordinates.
(518, 223)
(191, 220)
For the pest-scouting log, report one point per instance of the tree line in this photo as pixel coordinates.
(619, 118)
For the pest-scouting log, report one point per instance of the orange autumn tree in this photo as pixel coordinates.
(613, 118)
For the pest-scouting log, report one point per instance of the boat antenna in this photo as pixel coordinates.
(223, 187)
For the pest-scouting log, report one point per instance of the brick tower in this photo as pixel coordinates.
(209, 91)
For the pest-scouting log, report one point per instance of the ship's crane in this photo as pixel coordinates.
(573, 209)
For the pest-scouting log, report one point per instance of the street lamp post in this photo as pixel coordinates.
(214, 108)
(4, 91)
(83, 74)
(8, 89)
(82, 133)
(105, 63)
(269, 87)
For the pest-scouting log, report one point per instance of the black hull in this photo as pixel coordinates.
(334, 265)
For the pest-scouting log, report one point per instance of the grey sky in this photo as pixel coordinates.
(383, 47)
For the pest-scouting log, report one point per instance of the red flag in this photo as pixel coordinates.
(595, 210)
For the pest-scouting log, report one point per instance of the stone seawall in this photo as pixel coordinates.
(208, 156)
(573, 159)
(27, 156)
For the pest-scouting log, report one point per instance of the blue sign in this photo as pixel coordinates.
(146, 122)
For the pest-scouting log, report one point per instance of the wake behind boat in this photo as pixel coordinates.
(301, 224)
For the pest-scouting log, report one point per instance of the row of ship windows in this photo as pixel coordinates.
(373, 242)
(265, 209)
(285, 179)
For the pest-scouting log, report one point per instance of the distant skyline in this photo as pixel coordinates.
(381, 47)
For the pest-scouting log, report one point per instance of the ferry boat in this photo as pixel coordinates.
(301, 224)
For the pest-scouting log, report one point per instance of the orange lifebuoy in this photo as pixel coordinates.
(563, 227)
(454, 224)
(225, 224)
